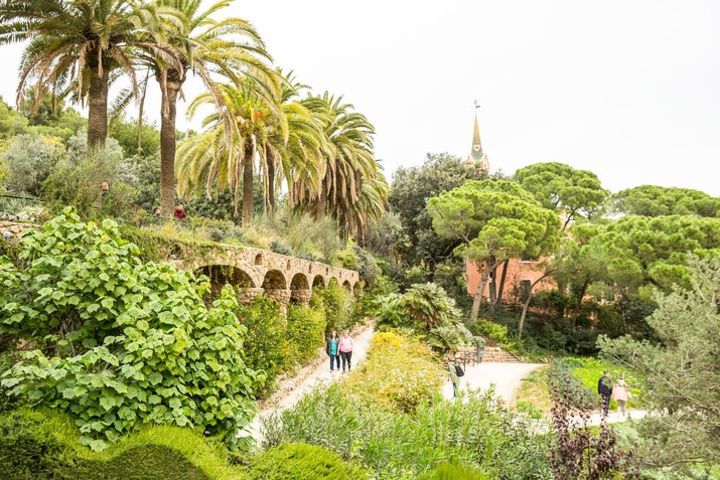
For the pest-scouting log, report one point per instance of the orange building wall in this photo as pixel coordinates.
(517, 271)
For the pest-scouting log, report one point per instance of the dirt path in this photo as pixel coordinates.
(506, 378)
(291, 391)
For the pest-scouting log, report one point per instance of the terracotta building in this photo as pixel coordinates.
(519, 274)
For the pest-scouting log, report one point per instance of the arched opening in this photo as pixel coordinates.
(258, 259)
(287, 267)
(310, 268)
(221, 275)
(318, 281)
(347, 285)
(274, 280)
(333, 282)
(299, 282)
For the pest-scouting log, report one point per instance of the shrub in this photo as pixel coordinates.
(474, 432)
(29, 160)
(302, 462)
(40, 445)
(305, 333)
(452, 471)
(337, 303)
(399, 372)
(132, 343)
(267, 327)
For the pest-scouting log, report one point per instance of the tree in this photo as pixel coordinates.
(682, 378)
(560, 187)
(77, 43)
(411, 189)
(353, 190)
(229, 47)
(654, 201)
(494, 221)
(29, 160)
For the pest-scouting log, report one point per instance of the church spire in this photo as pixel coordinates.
(476, 152)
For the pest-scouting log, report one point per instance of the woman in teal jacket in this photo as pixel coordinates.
(333, 350)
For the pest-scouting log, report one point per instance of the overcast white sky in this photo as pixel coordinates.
(629, 89)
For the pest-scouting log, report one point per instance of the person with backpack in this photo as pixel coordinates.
(333, 350)
(605, 389)
(455, 372)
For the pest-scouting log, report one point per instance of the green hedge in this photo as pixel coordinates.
(451, 471)
(299, 461)
(38, 446)
(306, 333)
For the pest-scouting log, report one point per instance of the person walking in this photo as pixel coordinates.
(345, 345)
(454, 379)
(605, 389)
(621, 394)
(180, 212)
(333, 350)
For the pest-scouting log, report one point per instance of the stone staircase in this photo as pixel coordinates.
(498, 355)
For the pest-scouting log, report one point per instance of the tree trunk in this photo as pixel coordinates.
(271, 182)
(580, 297)
(526, 304)
(477, 300)
(167, 146)
(97, 109)
(141, 112)
(247, 207)
(322, 199)
(501, 287)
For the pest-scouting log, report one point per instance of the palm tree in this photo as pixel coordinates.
(353, 190)
(230, 48)
(80, 43)
(225, 152)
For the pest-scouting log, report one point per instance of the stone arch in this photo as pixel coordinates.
(347, 285)
(258, 259)
(300, 289)
(221, 275)
(318, 281)
(274, 280)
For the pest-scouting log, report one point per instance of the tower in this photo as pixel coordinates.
(476, 152)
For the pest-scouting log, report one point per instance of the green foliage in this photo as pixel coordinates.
(452, 471)
(29, 159)
(429, 312)
(305, 333)
(560, 187)
(655, 201)
(417, 241)
(475, 432)
(338, 305)
(267, 327)
(300, 461)
(76, 182)
(11, 122)
(399, 372)
(132, 343)
(681, 374)
(347, 258)
(489, 329)
(43, 445)
(126, 134)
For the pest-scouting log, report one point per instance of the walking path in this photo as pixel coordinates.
(505, 377)
(317, 374)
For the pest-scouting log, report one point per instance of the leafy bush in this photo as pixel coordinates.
(475, 432)
(132, 343)
(428, 311)
(451, 471)
(491, 330)
(267, 327)
(399, 372)
(337, 303)
(305, 333)
(302, 462)
(40, 445)
(29, 160)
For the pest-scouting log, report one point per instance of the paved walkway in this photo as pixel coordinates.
(506, 378)
(319, 375)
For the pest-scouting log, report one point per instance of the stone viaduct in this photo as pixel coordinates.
(253, 271)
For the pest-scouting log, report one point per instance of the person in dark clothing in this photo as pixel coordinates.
(604, 389)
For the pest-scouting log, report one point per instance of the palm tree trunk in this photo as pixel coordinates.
(141, 112)
(97, 109)
(271, 181)
(167, 147)
(247, 210)
(322, 199)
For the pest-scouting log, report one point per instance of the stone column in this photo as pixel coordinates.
(281, 295)
(301, 296)
(247, 295)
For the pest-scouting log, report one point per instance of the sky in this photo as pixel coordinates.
(628, 89)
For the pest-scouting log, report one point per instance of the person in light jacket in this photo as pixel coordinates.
(621, 394)
(345, 346)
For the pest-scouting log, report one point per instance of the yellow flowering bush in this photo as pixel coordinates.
(399, 373)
